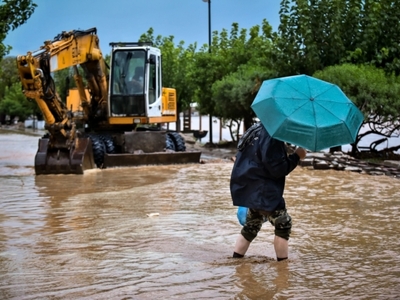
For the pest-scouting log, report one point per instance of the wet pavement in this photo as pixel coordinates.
(90, 237)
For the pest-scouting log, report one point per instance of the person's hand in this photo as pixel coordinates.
(301, 152)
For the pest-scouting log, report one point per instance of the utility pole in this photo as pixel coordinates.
(210, 131)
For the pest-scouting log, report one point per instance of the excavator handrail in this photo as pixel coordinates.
(131, 44)
(75, 33)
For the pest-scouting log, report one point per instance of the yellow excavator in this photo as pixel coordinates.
(114, 114)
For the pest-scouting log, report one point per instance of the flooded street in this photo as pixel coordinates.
(90, 237)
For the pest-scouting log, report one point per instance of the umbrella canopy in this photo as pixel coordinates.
(307, 112)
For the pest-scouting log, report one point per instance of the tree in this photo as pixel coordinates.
(15, 103)
(13, 13)
(8, 73)
(375, 94)
(234, 94)
(310, 35)
(229, 77)
(8, 76)
(315, 34)
(377, 41)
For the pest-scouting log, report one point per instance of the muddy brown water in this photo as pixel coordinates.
(89, 236)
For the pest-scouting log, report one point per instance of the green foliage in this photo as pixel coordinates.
(13, 13)
(373, 91)
(8, 74)
(315, 34)
(15, 103)
(310, 35)
(377, 41)
(234, 94)
(230, 66)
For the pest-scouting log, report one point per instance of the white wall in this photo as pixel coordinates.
(34, 124)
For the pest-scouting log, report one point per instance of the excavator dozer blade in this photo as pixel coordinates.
(64, 161)
(155, 158)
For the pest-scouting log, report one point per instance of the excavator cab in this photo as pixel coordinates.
(136, 95)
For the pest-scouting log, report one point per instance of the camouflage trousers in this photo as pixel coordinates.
(280, 219)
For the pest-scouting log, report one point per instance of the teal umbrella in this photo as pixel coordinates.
(307, 112)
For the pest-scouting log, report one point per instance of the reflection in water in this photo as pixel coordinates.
(89, 237)
(261, 278)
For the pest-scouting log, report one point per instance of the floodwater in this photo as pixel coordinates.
(90, 237)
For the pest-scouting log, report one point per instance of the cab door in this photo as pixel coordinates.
(154, 85)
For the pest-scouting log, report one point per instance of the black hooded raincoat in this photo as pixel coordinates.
(259, 172)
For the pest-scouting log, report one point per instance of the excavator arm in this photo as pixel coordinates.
(68, 49)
